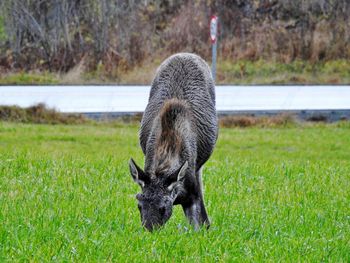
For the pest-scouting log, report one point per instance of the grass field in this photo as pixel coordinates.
(277, 194)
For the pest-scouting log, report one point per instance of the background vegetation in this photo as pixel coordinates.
(123, 41)
(272, 195)
(39, 114)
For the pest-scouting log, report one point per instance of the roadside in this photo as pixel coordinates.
(41, 114)
(228, 72)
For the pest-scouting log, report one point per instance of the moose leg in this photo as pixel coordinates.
(195, 211)
(196, 214)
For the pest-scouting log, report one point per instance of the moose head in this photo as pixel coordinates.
(158, 194)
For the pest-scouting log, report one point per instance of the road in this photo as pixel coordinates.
(129, 98)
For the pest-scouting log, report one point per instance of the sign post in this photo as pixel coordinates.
(213, 37)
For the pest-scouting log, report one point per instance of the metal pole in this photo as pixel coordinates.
(214, 41)
(213, 62)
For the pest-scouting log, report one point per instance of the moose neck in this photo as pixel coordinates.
(171, 151)
(173, 139)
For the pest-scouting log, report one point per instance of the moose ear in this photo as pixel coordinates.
(137, 173)
(178, 176)
(182, 172)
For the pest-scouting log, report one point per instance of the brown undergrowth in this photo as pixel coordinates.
(243, 121)
(39, 114)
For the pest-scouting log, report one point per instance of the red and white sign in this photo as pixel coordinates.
(213, 28)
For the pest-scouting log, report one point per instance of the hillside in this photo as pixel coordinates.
(108, 40)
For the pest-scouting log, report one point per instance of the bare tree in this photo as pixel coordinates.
(57, 34)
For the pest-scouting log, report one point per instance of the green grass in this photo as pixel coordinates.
(24, 78)
(272, 194)
(296, 72)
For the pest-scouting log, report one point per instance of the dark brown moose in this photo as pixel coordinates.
(178, 134)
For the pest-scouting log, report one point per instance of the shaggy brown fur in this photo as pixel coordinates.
(170, 142)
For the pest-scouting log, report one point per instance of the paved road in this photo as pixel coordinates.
(128, 98)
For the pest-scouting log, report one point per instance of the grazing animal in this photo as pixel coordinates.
(178, 134)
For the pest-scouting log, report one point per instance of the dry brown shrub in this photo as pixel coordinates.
(321, 40)
(243, 121)
(188, 30)
(317, 118)
(74, 75)
(38, 114)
